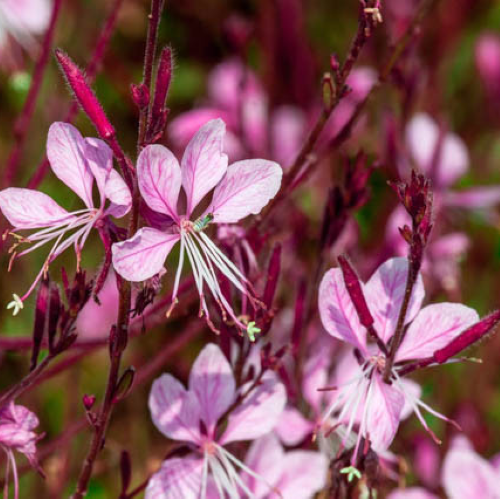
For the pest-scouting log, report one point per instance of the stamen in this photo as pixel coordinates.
(177, 275)
(351, 473)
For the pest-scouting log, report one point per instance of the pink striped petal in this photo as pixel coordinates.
(385, 292)
(337, 312)
(178, 478)
(175, 411)
(142, 256)
(293, 427)
(212, 380)
(30, 209)
(118, 193)
(66, 151)
(384, 411)
(433, 328)
(203, 164)
(100, 160)
(159, 179)
(246, 189)
(258, 414)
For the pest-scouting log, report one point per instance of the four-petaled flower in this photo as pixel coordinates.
(16, 434)
(77, 162)
(243, 188)
(366, 400)
(197, 417)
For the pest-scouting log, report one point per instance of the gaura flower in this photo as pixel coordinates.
(197, 417)
(366, 400)
(77, 162)
(241, 189)
(16, 434)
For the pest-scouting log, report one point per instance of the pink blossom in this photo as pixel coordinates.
(446, 165)
(375, 406)
(487, 54)
(77, 162)
(241, 189)
(199, 417)
(16, 434)
(23, 19)
(236, 95)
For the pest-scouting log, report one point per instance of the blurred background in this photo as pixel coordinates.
(272, 54)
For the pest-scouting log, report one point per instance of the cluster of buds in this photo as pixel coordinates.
(416, 197)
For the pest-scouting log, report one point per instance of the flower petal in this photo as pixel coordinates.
(433, 328)
(288, 125)
(247, 188)
(66, 151)
(212, 380)
(385, 292)
(383, 415)
(178, 478)
(292, 427)
(117, 191)
(304, 474)
(259, 412)
(337, 312)
(422, 136)
(143, 255)
(100, 160)
(264, 457)
(411, 493)
(30, 209)
(159, 179)
(466, 475)
(475, 198)
(175, 411)
(203, 164)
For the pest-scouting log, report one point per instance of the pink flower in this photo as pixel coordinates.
(466, 475)
(297, 474)
(241, 189)
(446, 165)
(199, 417)
(23, 19)
(366, 400)
(487, 55)
(16, 434)
(77, 162)
(236, 95)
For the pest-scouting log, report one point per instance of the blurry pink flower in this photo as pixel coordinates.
(22, 20)
(487, 52)
(444, 160)
(236, 95)
(16, 434)
(297, 474)
(77, 162)
(241, 189)
(193, 416)
(366, 400)
(466, 475)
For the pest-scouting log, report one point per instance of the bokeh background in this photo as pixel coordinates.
(288, 44)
